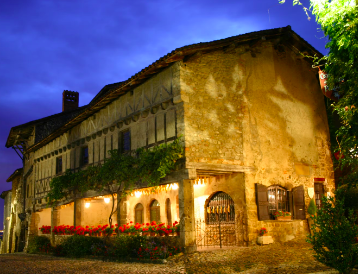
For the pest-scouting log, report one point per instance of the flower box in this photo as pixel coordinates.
(264, 240)
(284, 218)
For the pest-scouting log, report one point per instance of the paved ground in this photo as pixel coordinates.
(290, 257)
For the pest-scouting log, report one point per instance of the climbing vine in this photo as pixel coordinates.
(119, 174)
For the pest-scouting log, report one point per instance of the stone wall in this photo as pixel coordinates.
(260, 108)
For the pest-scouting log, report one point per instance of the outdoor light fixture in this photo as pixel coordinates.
(175, 186)
(107, 200)
(137, 194)
(87, 205)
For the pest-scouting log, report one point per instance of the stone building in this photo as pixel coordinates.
(253, 123)
(14, 227)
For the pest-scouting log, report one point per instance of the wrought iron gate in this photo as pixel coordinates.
(215, 234)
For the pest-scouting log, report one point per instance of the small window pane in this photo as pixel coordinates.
(277, 197)
(58, 165)
(84, 155)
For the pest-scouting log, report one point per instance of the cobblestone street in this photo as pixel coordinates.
(291, 257)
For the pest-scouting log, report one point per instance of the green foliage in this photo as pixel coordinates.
(58, 251)
(127, 246)
(38, 244)
(350, 195)
(79, 246)
(334, 235)
(339, 23)
(312, 209)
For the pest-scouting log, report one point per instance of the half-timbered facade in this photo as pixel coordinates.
(253, 124)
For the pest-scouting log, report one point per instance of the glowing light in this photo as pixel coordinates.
(107, 200)
(138, 194)
(87, 205)
(175, 186)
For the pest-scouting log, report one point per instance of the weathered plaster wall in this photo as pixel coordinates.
(6, 223)
(65, 215)
(97, 213)
(260, 108)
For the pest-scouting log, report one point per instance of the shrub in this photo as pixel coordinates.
(127, 246)
(158, 248)
(334, 234)
(39, 244)
(79, 246)
(312, 209)
(58, 251)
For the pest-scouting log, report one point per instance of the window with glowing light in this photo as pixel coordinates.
(139, 214)
(277, 200)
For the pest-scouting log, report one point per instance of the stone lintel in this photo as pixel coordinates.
(184, 174)
(219, 167)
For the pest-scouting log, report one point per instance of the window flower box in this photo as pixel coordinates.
(282, 215)
(284, 218)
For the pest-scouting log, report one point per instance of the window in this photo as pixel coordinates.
(124, 141)
(318, 194)
(220, 208)
(270, 199)
(59, 165)
(277, 198)
(139, 213)
(168, 210)
(155, 211)
(84, 156)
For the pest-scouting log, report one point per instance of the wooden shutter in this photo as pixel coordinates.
(262, 202)
(299, 203)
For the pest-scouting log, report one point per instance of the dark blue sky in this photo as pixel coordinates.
(82, 45)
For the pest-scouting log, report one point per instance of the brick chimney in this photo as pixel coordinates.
(70, 100)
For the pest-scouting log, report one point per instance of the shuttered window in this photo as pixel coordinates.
(298, 197)
(155, 211)
(139, 213)
(262, 202)
(273, 198)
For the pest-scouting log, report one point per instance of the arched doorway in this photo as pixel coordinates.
(218, 228)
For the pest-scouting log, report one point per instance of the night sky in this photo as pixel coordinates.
(50, 46)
